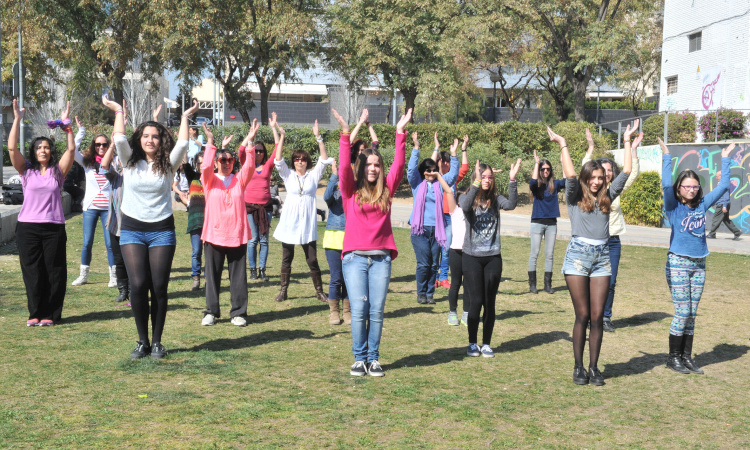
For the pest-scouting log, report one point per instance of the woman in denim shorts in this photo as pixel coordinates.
(587, 268)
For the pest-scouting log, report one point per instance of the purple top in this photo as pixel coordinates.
(42, 196)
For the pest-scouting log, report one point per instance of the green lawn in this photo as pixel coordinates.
(283, 381)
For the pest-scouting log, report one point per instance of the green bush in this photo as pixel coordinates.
(619, 104)
(731, 125)
(681, 128)
(642, 202)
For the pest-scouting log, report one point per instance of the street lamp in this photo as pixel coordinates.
(494, 77)
(598, 81)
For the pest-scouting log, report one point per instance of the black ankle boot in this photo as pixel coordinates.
(124, 289)
(580, 376)
(532, 282)
(262, 274)
(674, 360)
(687, 350)
(548, 283)
(253, 273)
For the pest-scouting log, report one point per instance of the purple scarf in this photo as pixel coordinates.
(417, 222)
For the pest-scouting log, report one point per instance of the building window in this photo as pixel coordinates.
(671, 85)
(695, 42)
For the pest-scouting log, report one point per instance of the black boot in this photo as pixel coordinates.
(124, 288)
(262, 274)
(318, 283)
(253, 273)
(284, 278)
(674, 360)
(687, 350)
(532, 282)
(548, 283)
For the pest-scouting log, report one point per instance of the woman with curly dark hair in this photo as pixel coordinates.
(40, 232)
(147, 237)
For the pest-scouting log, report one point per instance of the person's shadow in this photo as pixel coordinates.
(253, 340)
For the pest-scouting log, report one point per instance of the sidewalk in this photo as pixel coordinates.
(518, 225)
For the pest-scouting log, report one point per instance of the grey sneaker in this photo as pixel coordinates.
(473, 350)
(359, 369)
(453, 318)
(487, 351)
(374, 369)
(465, 318)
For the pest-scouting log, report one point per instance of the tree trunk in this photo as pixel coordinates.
(245, 115)
(580, 81)
(264, 93)
(410, 97)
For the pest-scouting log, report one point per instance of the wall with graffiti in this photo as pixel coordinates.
(705, 159)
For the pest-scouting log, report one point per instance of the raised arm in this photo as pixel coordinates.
(346, 174)
(155, 114)
(567, 163)
(510, 203)
(467, 200)
(248, 141)
(396, 172)
(726, 162)
(627, 166)
(436, 151)
(448, 191)
(276, 138)
(362, 119)
(373, 135)
(535, 171)
(590, 151)
(329, 195)
(109, 155)
(185, 121)
(412, 170)
(118, 132)
(321, 144)
(209, 155)
(636, 164)
(452, 175)
(16, 156)
(670, 202)
(66, 161)
(78, 139)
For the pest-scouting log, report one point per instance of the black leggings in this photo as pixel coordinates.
(148, 269)
(311, 256)
(481, 280)
(589, 296)
(457, 274)
(120, 270)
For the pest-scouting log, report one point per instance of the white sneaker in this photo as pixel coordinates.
(239, 321)
(487, 351)
(83, 278)
(208, 320)
(112, 277)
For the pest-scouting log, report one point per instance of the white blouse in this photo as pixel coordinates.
(298, 223)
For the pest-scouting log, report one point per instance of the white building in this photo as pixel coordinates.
(705, 55)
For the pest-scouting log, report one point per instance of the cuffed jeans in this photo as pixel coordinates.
(89, 229)
(257, 238)
(549, 232)
(427, 251)
(445, 252)
(367, 279)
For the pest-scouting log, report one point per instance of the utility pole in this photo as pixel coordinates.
(2, 116)
(21, 144)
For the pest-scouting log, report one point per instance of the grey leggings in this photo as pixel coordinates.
(549, 232)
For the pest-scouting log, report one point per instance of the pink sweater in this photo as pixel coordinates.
(367, 227)
(258, 191)
(225, 223)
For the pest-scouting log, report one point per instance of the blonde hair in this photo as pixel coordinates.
(377, 193)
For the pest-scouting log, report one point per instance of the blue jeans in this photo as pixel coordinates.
(427, 251)
(549, 232)
(445, 252)
(195, 242)
(89, 228)
(337, 287)
(252, 245)
(367, 278)
(614, 261)
(586, 260)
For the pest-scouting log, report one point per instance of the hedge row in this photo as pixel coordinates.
(681, 125)
(620, 104)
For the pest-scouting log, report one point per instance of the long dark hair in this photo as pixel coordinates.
(427, 163)
(550, 180)
(687, 173)
(196, 166)
(586, 199)
(90, 154)
(162, 165)
(260, 145)
(486, 199)
(53, 160)
(613, 165)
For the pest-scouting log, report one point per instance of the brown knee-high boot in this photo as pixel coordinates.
(285, 272)
(334, 318)
(318, 283)
(347, 312)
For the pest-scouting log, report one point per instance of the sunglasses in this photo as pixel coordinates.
(100, 144)
(430, 170)
(299, 159)
(226, 160)
(546, 169)
(259, 150)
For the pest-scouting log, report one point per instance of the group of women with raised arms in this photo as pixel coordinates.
(130, 194)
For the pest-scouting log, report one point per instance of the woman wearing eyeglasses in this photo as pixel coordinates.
(95, 204)
(225, 229)
(686, 208)
(258, 200)
(428, 225)
(298, 223)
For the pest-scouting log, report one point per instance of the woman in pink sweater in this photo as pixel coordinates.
(369, 246)
(225, 229)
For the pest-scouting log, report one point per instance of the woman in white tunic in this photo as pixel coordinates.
(298, 223)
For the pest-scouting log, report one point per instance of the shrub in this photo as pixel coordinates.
(620, 104)
(681, 128)
(731, 125)
(641, 203)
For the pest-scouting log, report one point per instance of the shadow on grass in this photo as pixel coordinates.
(723, 353)
(514, 314)
(411, 278)
(254, 340)
(640, 319)
(436, 357)
(269, 316)
(531, 341)
(638, 365)
(114, 314)
(403, 312)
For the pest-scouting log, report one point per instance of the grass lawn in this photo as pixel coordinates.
(283, 381)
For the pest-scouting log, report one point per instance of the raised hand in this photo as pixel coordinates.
(465, 143)
(664, 149)
(514, 169)
(112, 106)
(251, 133)
(415, 139)
(454, 147)
(536, 158)
(192, 110)
(636, 143)
(727, 151)
(78, 123)
(590, 141)
(478, 172)
(630, 129)
(18, 113)
(124, 111)
(335, 167)
(155, 115)
(273, 120)
(554, 137)
(363, 117)
(209, 135)
(226, 141)
(342, 123)
(437, 143)
(403, 121)
(65, 112)
(316, 130)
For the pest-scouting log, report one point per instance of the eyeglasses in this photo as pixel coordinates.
(689, 188)
(546, 169)
(430, 170)
(299, 159)
(226, 160)
(100, 144)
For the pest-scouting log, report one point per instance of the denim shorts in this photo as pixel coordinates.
(148, 238)
(586, 260)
